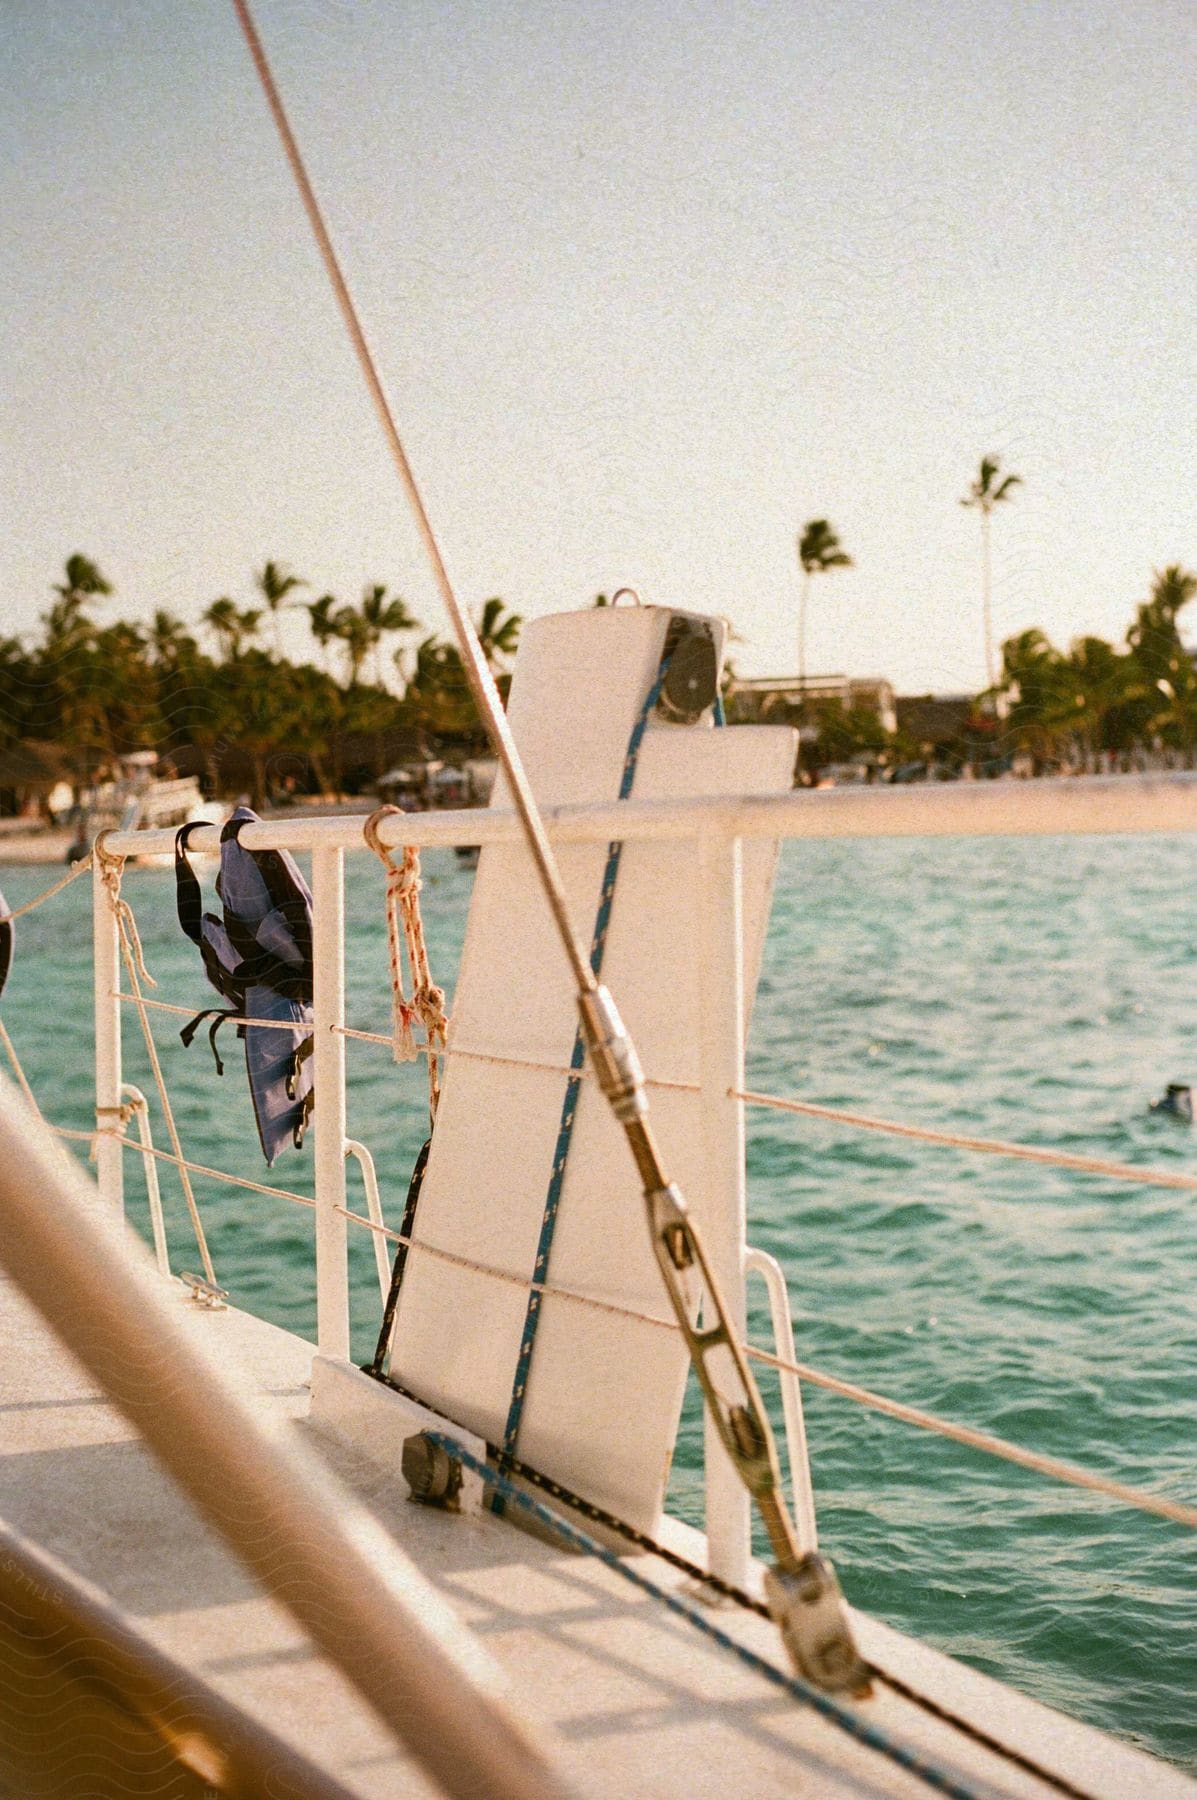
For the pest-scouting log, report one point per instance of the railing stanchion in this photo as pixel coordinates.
(721, 1205)
(328, 1074)
(110, 1173)
(759, 1262)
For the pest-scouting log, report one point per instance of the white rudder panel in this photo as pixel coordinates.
(603, 1393)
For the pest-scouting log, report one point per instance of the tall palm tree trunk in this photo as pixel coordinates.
(987, 597)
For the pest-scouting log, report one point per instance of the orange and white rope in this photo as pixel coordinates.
(427, 1001)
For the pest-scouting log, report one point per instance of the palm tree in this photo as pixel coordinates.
(985, 493)
(316, 729)
(322, 624)
(819, 549)
(1168, 679)
(498, 633)
(125, 704)
(66, 623)
(169, 638)
(1154, 637)
(353, 630)
(381, 617)
(1098, 680)
(83, 579)
(231, 626)
(1033, 681)
(438, 698)
(274, 583)
(261, 711)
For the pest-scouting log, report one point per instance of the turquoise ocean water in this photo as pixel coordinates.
(1040, 990)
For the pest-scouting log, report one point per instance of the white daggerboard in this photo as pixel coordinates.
(603, 1394)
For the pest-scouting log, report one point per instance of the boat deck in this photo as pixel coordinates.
(631, 1699)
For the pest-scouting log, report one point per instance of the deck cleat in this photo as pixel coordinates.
(205, 1293)
(433, 1476)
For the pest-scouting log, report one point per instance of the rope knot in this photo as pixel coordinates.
(112, 867)
(405, 880)
(427, 1002)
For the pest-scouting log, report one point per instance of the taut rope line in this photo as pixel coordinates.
(481, 681)
(906, 1756)
(922, 1134)
(969, 1436)
(110, 867)
(1176, 1511)
(77, 869)
(18, 1071)
(951, 1140)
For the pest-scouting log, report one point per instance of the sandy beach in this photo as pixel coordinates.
(34, 846)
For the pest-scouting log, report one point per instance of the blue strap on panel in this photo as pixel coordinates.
(569, 1106)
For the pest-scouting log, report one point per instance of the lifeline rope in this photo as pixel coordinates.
(180, 1162)
(111, 867)
(6, 918)
(906, 1756)
(1061, 1159)
(427, 1001)
(968, 1436)
(706, 1578)
(1069, 1473)
(965, 1435)
(923, 1134)
(569, 1106)
(18, 1071)
(77, 869)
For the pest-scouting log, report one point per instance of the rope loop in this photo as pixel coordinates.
(112, 867)
(427, 1001)
(370, 832)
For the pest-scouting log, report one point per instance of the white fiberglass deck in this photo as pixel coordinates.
(631, 1700)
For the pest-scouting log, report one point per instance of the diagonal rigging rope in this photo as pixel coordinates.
(1060, 1159)
(1176, 1511)
(1178, 1179)
(18, 1071)
(76, 870)
(968, 1436)
(110, 868)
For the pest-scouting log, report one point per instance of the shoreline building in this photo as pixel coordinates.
(794, 700)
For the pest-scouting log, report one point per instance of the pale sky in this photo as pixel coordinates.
(650, 286)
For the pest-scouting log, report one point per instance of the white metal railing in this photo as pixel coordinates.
(1067, 807)
(365, 1163)
(1153, 803)
(140, 1107)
